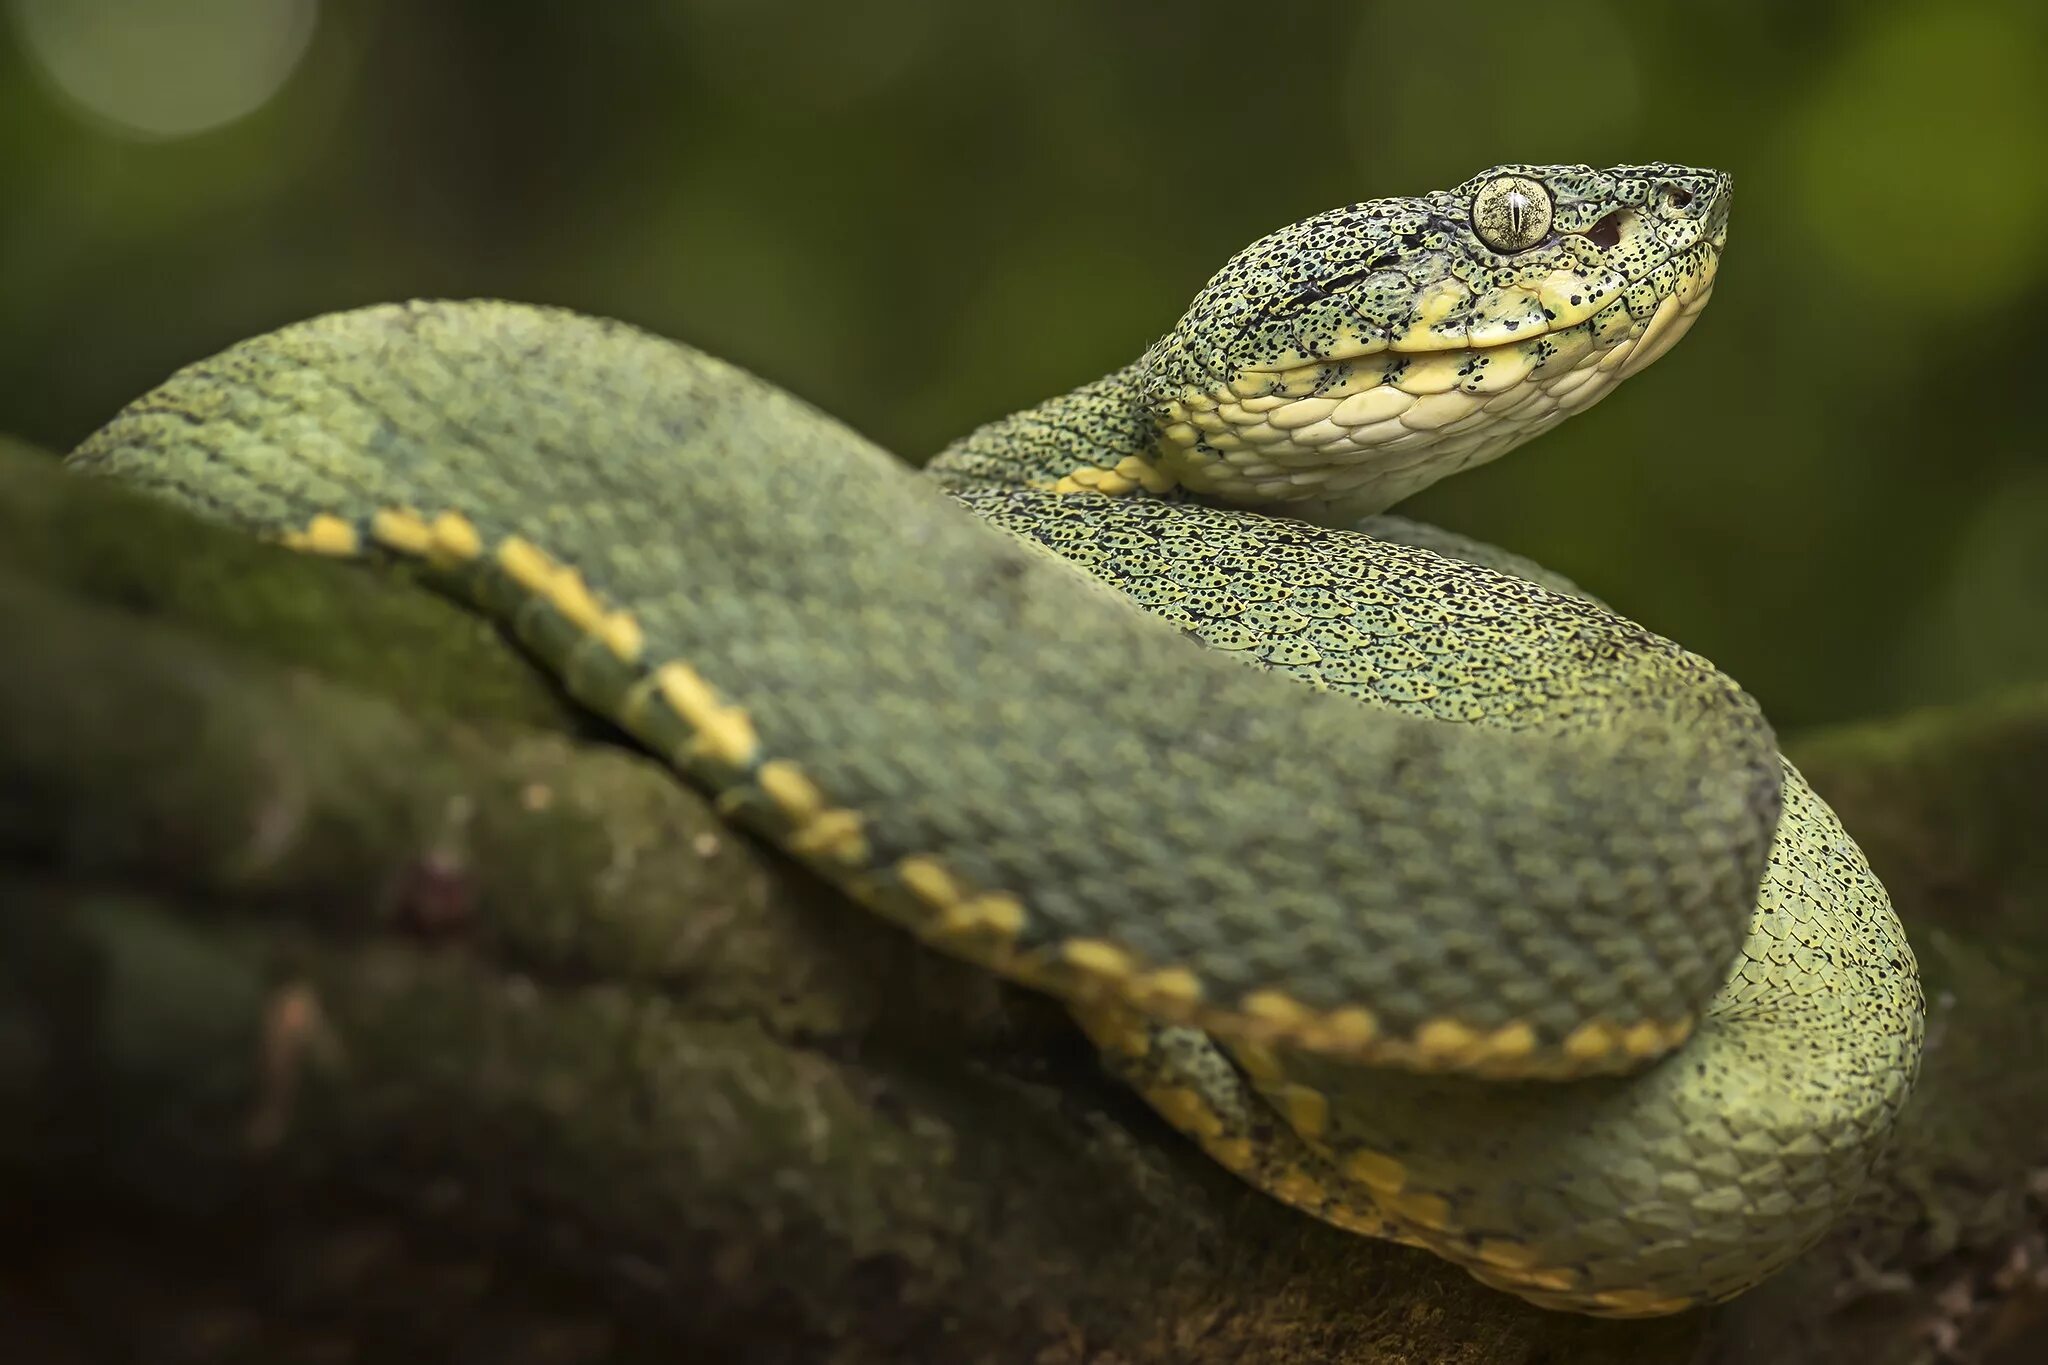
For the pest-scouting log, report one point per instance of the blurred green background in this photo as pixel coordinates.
(922, 213)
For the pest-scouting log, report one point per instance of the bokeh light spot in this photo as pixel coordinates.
(166, 68)
(1930, 191)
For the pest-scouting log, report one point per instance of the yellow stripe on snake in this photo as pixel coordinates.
(1469, 914)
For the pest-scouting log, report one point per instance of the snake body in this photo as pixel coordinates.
(1542, 958)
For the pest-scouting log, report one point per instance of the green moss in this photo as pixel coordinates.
(377, 631)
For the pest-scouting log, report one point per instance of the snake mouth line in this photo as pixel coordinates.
(1506, 316)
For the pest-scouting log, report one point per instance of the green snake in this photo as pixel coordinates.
(1542, 958)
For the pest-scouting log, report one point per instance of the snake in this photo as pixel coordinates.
(1420, 889)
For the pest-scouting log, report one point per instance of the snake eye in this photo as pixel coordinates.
(1511, 213)
(1677, 197)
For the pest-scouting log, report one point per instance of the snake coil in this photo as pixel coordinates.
(1540, 957)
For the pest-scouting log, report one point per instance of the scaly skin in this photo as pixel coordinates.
(1535, 854)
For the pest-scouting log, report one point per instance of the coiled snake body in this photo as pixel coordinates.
(1543, 959)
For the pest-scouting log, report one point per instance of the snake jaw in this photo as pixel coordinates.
(1346, 362)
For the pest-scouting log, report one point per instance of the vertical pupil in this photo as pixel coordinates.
(1518, 212)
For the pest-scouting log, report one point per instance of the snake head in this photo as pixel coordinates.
(1357, 356)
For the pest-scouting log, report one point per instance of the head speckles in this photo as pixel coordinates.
(1512, 284)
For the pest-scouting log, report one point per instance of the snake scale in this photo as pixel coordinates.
(1508, 935)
